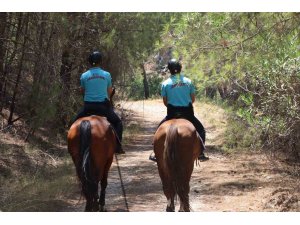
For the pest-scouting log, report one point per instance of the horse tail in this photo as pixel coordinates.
(174, 167)
(85, 145)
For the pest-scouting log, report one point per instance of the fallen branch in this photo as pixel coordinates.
(55, 163)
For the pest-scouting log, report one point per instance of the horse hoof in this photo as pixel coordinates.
(170, 209)
(88, 210)
(102, 209)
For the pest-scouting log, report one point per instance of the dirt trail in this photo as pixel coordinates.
(46, 179)
(239, 182)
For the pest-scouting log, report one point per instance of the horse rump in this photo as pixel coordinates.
(174, 166)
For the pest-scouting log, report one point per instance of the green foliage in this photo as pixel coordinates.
(135, 88)
(240, 135)
(42, 105)
(251, 59)
(53, 58)
(254, 59)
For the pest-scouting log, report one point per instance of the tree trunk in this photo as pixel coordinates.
(145, 82)
(66, 69)
(12, 105)
(9, 61)
(3, 17)
(223, 91)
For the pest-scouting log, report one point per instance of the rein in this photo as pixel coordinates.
(117, 161)
(122, 184)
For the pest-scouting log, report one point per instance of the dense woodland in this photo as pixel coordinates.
(248, 62)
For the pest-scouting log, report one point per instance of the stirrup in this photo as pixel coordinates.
(152, 157)
(202, 157)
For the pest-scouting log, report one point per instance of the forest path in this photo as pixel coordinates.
(235, 182)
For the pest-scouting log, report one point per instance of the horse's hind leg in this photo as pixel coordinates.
(170, 205)
(170, 195)
(102, 192)
(184, 205)
(90, 191)
(184, 197)
(104, 184)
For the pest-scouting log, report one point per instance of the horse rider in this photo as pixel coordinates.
(96, 87)
(178, 94)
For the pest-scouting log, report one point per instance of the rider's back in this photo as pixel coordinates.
(178, 89)
(95, 82)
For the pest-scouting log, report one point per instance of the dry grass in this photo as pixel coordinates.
(34, 176)
(40, 175)
(214, 119)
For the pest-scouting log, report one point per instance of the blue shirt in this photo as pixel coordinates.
(95, 82)
(178, 89)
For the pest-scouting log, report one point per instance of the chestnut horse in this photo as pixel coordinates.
(92, 143)
(176, 147)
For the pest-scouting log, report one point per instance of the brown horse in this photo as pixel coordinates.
(91, 143)
(176, 147)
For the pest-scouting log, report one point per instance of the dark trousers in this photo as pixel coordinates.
(185, 113)
(102, 109)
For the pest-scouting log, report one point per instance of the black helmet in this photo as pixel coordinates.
(174, 66)
(95, 58)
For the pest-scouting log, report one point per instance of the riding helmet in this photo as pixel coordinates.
(174, 66)
(95, 58)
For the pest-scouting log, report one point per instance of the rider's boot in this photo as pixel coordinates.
(202, 157)
(152, 158)
(119, 149)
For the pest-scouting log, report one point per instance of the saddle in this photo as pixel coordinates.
(94, 113)
(177, 112)
(179, 115)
